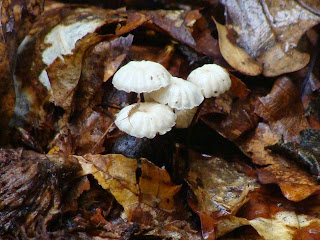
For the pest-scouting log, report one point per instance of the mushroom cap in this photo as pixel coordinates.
(212, 79)
(141, 76)
(179, 94)
(185, 117)
(145, 119)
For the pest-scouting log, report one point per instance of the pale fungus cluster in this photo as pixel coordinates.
(169, 101)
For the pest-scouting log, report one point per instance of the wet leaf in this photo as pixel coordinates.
(118, 174)
(269, 32)
(89, 131)
(218, 190)
(173, 23)
(267, 210)
(311, 5)
(175, 230)
(134, 20)
(65, 74)
(17, 18)
(283, 110)
(295, 183)
(32, 186)
(99, 65)
(240, 119)
(241, 61)
(36, 53)
(306, 152)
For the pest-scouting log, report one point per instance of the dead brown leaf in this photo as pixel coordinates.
(173, 23)
(175, 230)
(283, 110)
(218, 190)
(240, 119)
(295, 183)
(134, 20)
(118, 174)
(99, 64)
(16, 20)
(269, 32)
(32, 186)
(236, 56)
(311, 5)
(64, 74)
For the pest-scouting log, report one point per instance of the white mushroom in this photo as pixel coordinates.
(212, 79)
(141, 76)
(179, 94)
(145, 119)
(185, 117)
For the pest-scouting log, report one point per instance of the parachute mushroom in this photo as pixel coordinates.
(212, 79)
(141, 77)
(181, 95)
(145, 119)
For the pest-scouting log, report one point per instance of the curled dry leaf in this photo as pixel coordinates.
(118, 174)
(236, 56)
(269, 32)
(283, 110)
(16, 19)
(218, 190)
(32, 187)
(295, 183)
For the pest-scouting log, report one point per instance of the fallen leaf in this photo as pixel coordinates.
(267, 210)
(32, 186)
(220, 193)
(134, 20)
(236, 56)
(173, 23)
(295, 183)
(89, 131)
(269, 32)
(175, 230)
(306, 152)
(311, 5)
(201, 33)
(35, 53)
(16, 19)
(98, 66)
(64, 73)
(118, 174)
(240, 119)
(283, 110)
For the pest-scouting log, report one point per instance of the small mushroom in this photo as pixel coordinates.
(141, 76)
(212, 79)
(185, 117)
(145, 119)
(179, 94)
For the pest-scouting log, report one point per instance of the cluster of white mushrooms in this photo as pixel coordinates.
(169, 101)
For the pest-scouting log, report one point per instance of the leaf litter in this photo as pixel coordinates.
(257, 144)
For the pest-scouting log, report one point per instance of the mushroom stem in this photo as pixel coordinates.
(196, 115)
